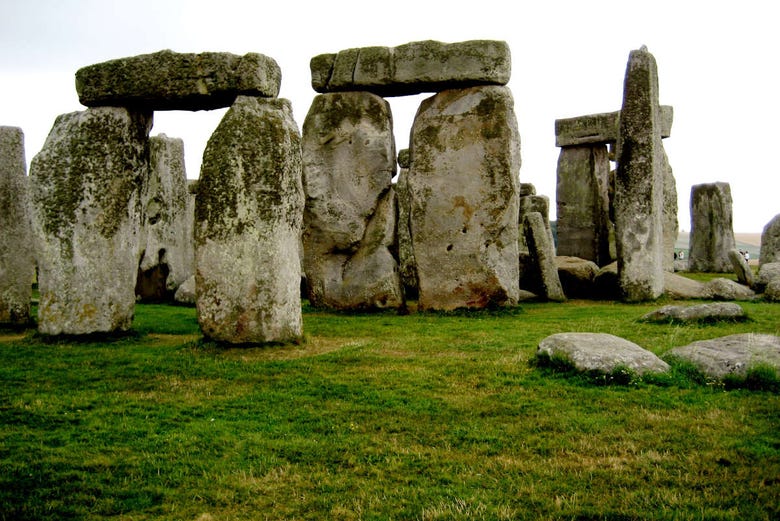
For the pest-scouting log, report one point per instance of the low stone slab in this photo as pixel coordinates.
(601, 352)
(600, 128)
(168, 80)
(426, 66)
(679, 287)
(576, 275)
(727, 289)
(698, 313)
(730, 355)
(772, 291)
(767, 273)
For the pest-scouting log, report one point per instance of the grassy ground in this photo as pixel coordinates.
(379, 416)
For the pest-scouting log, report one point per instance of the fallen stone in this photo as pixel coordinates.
(741, 268)
(711, 312)
(415, 67)
(577, 276)
(681, 288)
(542, 253)
(186, 293)
(772, 291)
(770, 242)
(767, 273)
(730, 355)
(727, 289)
(168, 80)
(601, 352)
(712, 233)
(601, 128)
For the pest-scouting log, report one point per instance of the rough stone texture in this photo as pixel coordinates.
(463, 182)
(349, 238)
(534, 203)
(730, 355)
(582, 197)
(699, 313)
(166, 249)
(669, 224)
(248, 215)
(741, 269)
(767, 273)
(415, 67)
(606, 284)
(679, 287)
(727, 289)
(85, 187)
(186, 292)
(601, 352)
(639, 183)
(543, 256)
(595, 129)
(526, 189)
(168, 80)
(16, 255)
(712, 233)
(770, 242)
(407, 267)
(577, 276)
(772, 291)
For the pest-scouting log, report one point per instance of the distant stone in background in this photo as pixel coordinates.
(85, 193)
(534, 203)
(712, 232)
(601, 128)
(542, 255)
(741, 269)
(407, 266)
(415, 67)
(249, 210)
(697, 313)
(168, 80)
(770, 241)
(577, 276)
(669, 224)
(17, 264)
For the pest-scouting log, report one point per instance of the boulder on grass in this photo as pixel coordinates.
(699, 313)
(726, 289)
(730, 355)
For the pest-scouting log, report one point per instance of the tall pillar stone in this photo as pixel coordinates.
(16, 255)
(582, 195)
(543, 256)
(248, 214)
(349, 237)
(534, 203)
(669, 223)
(85, 186)
(463, 182)
(407, 266)
(167, 250)
(712, 232)
(639, 183)
(770, 242)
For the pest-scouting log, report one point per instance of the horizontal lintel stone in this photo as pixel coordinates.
(168, 80)
(600, 128)
(426, 66)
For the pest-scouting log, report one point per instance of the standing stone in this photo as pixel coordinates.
(639, 183)
(167, 250)
(712, 233)
(85, 188)
(770, 242)
(463, 181)
(582, 196)
(742, 269)
(669, 223)
(16, 255)
(349, 222)
(534, 203)
(407, 267)
(248, 214)
(543, 255)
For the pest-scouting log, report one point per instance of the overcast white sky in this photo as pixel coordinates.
(717, 62)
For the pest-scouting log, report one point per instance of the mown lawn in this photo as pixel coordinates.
(379, 416)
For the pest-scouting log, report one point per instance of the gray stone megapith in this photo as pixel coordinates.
(168, 80)
(542, 253)
(349, 238)
(639, 183)
(85, 186)
(426, 66)
(582, 196)
(533, 203)
(730, 355)
(741, 269)
(166, 246)
(16, 255)
(601, 129)
(463, 183)
(407, 266)
(669, 224)
(770, 242)
(248, 217)
(712, 232)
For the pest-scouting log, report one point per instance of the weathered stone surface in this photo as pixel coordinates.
(526, 189)
(85, 188)
(248, 215)
(463, 179)
(415, 67)
(168, 80)
(730, 355)
(407, 267)
(606, 284)
(543, 256)
(349, 223)
(186, 292)
(699, 313)
(770, 242)
(595, 129)
(639, 183)
(741, 269)
(166, 248)
(577, 276)
(679, 287)
(534, 203)
(601, 352)
(767, 273)
(669, 224)
(16, 255)
(712, 233)
(727, 289)
(582, 196)
(772, 291)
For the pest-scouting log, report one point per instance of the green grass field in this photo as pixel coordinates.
(379, 416)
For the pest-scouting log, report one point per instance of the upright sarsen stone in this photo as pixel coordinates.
(639, 183)
(712, 232)
(770, 242)
(248, 214)
(16, 255)
(85, 186)
(463, 185)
